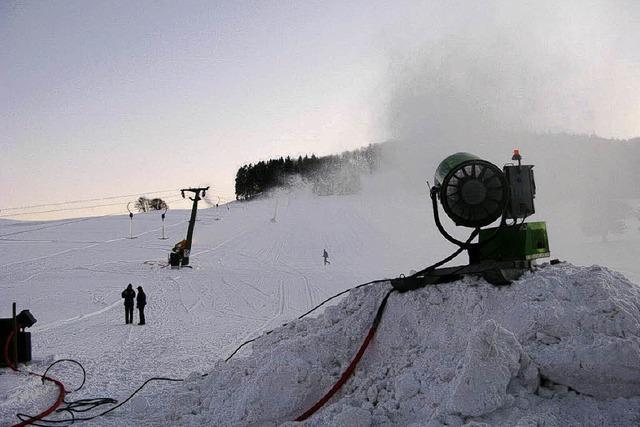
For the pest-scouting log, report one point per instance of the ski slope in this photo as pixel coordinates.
(249, 275)
(255, 266)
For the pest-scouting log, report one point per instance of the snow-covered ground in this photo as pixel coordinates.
(559, 347)
(250, 274)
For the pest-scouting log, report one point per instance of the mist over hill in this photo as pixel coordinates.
(586, 186)
(595, 174)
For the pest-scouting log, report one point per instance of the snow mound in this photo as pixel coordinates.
(559, 347)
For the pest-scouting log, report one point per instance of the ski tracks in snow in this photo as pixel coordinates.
(247, 279)
(66, 322)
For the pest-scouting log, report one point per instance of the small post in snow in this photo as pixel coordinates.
(14, 345)
(275, 213)
(162, 216)
(130, 222)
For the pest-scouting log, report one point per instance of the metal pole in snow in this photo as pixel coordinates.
(165, 211)
(192, 221)
(14, 345)
(130, 222)
(275, 213)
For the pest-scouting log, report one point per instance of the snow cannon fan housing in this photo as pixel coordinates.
(475, 193)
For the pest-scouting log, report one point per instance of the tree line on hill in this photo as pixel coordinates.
(333, 174)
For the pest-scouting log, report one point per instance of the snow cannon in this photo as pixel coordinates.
(475, 193)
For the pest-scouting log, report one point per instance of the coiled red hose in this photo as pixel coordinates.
(61, 389)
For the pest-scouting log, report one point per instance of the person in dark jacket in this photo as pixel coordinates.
(141, 301)
(128, 294)
(325, 255)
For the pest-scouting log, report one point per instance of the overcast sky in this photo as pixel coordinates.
(105, 98)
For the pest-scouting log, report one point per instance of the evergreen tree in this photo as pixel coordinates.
(334, 174)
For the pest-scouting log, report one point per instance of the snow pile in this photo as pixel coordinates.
(558, 347)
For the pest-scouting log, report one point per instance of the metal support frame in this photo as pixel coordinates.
(192, 220)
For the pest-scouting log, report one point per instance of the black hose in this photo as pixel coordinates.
(307, 313)
(84, 373)
(436, 217)
(467, 244)
(341, 293)
(447, 259)
(85, 405)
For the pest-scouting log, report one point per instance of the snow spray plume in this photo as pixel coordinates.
(501, 67)
(565, 67)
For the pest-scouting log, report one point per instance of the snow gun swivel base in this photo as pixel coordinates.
(475, 193)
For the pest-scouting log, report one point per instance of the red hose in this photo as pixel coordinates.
(352, 366)
(61, 390)
(6, 350)
(57, 403)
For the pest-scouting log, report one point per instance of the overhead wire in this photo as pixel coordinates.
(61, 210)
(70, 209)
(55, 223)
(171, 200)
(89, 200)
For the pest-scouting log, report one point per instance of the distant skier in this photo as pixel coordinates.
(141, 301)
(325, 255)
(128, 294)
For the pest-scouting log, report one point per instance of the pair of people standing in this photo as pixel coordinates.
(141, 300)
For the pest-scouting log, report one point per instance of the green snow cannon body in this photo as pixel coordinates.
(475, 193)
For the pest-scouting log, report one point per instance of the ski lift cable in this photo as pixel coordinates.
(72, 221)
(60, 210)
(89, 200)
(75, 208)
